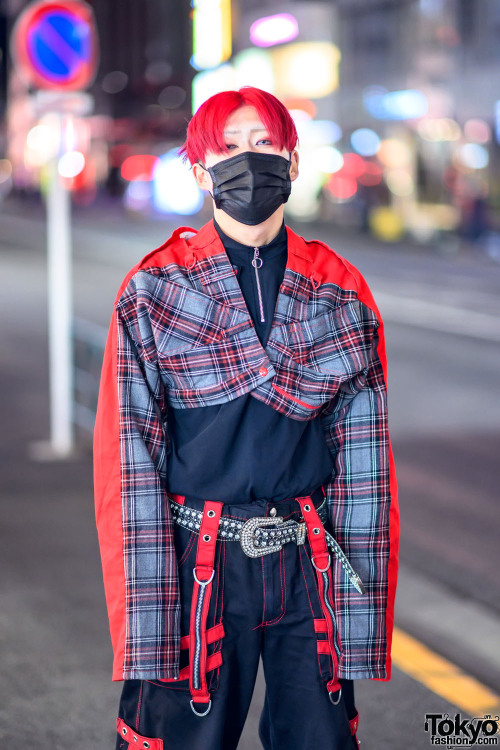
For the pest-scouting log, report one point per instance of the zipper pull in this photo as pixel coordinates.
(257, 263)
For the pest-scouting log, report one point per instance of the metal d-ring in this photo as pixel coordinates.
(321, 570)
(335, 703)
(203, 583)
(193, 709)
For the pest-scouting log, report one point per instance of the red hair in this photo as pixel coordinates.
(206, 129)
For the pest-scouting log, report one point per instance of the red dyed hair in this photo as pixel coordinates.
(206, 129)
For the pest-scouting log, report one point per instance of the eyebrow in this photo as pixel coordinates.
(252, 130)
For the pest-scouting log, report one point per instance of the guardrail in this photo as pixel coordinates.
(89, 340)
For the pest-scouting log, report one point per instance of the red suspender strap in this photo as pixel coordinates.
(321, 560)
(203, 573)
(354, 723)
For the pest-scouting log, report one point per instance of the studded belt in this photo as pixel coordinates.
(257, 539)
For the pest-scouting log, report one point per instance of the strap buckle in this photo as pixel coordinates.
(250, 543)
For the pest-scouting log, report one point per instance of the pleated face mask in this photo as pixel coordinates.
(250, 187)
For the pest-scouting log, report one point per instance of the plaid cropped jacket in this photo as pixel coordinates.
(181, 334)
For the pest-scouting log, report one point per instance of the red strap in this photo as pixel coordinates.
(320, 626)
(354, 724)
(177, 498)
(203, 574)
(136, 740)
(315, 532)
(205, 554)
(213, 661)
(321, 559)
(213, 634)
(323, 647)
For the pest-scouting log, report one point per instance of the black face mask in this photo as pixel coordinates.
(250, 187)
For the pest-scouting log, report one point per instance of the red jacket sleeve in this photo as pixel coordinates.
(132, 509)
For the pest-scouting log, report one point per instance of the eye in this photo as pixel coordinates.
(230, 146)
(264, 142)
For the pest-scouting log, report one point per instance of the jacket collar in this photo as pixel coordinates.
(206, 242)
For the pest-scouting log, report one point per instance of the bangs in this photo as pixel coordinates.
(206, 129)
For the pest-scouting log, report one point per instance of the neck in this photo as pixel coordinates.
(253, 236)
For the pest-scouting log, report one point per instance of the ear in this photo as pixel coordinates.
(294, 167)
(202, 177)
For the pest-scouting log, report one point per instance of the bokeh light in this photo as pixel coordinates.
(342, 188)
(71, 164)
(210, 82)
(306, 69)
(276, 29)
(174, 188)
(328, 159)
(386, 224)
(303, 202)
(471, 156)
(295, 105)
(114, 82)
(211, 33)
(5, 170)
(439, 129)
(172, 97)
(137, 196)
(400, 182)
(138, 167)
(318, 132)
(158, 72)
(477, 131)
(372, 174)
(395, 105)
(253, 67)
(365, 141)
(354, 165)
(394, 153)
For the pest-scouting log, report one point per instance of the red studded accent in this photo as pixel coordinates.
(135, 740)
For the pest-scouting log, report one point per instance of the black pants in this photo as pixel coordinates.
(265, 607)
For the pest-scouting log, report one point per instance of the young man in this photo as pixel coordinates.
(245, 489)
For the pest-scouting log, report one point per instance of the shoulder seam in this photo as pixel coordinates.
(340, 258)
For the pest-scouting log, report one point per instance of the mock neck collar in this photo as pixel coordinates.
(275, 247)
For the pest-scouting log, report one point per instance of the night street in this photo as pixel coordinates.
(441, 307)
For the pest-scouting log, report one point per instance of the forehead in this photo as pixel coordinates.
(244, 119)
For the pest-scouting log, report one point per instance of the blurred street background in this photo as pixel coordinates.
(397, 104)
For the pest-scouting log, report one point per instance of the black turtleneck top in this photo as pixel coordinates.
(244, 450)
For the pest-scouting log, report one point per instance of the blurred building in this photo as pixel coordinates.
(396, 103)
(140, 98)
(144, 71)
(412, 74)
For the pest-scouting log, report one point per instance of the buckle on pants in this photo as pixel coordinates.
(249, 540)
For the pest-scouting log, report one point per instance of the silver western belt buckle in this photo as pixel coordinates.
(255, 547)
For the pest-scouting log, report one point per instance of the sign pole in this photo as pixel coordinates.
(55, 49)
(60, 298)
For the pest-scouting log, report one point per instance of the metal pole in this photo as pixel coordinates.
(60, 310)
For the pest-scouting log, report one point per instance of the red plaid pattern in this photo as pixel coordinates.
(182, 333)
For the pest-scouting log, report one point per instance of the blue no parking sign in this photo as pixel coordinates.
(55, 45)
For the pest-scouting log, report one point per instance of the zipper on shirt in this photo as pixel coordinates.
(257, 263)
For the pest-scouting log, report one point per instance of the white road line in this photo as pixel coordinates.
(431, 315)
